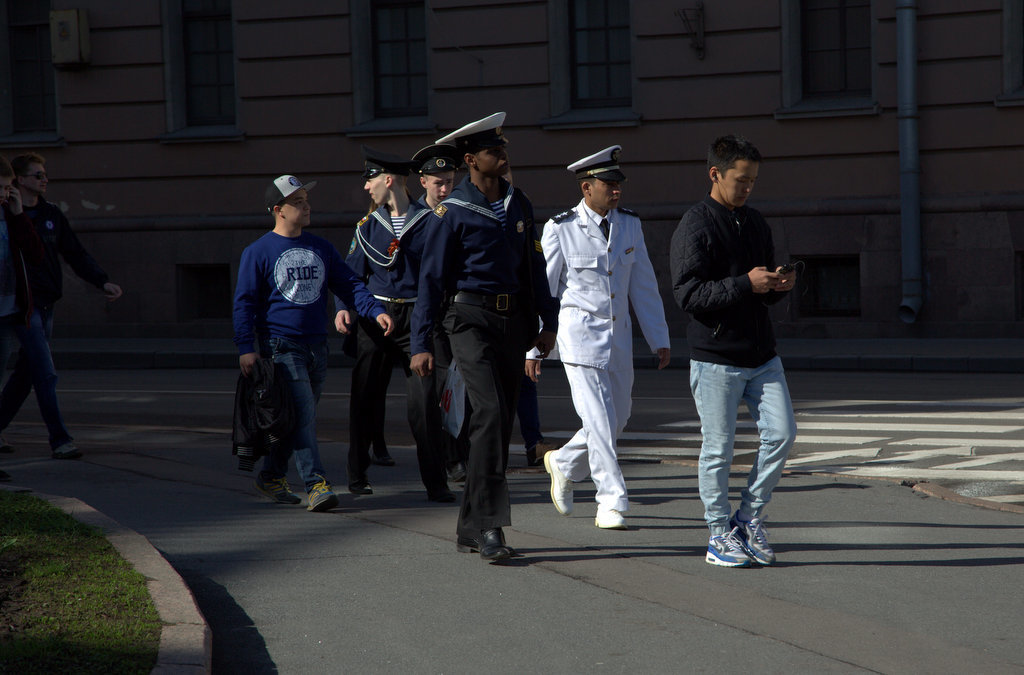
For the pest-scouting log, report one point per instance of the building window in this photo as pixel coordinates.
(1019, 269)
(591, 72)
(827, 58)
(835, 40)
(829, 286)
(600, 52)
(399, 59)
(1013, 53)
(209, 62)
(26, 71)
(390, 68)
(199, 71)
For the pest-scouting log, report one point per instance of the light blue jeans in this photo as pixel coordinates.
(717, 392)
(305, 367)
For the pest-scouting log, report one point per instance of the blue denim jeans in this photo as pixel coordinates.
(35, 370)
(717, 392)
(305, 367)
(8, 340)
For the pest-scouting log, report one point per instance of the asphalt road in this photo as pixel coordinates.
(872, 577)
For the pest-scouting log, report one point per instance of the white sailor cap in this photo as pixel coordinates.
(603, 165)
(476, 136)
(281, 188)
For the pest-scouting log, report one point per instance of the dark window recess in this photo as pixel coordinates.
(209, 62)
(204, 292)
(33, 101)
(399, 59)
(600, 53)
(829, 286)
(836, 46)
(1019, 267)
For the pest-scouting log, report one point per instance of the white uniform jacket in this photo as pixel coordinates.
(595, 280)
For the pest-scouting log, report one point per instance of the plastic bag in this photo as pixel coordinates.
(453, 401)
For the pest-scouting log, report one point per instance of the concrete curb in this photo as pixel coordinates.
(933, 490)
(186, 642)
(925, 488)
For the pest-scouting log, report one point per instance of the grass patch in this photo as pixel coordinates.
(68, 602)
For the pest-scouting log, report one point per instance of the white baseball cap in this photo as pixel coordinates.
(283, 186)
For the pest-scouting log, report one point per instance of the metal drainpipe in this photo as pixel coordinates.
(910, 160)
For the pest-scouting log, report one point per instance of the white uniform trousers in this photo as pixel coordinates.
(603, 400)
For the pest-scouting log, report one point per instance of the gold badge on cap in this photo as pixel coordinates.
(439, 162)
(519, 227)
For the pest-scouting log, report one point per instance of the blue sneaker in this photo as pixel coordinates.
(725, 550)
(754, 538)
(321, 497)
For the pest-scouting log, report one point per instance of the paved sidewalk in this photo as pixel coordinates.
(872, 576)
(920, 355)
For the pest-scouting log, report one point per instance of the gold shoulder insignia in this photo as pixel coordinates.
(536, 244)
(440, 210)
(363, 220)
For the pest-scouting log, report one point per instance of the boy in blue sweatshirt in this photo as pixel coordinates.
(280, 312)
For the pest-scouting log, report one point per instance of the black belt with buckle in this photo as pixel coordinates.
(503, 302)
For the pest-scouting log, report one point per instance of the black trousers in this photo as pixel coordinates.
(377, 355)
(489, 349)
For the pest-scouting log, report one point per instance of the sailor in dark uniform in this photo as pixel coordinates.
(385, 252)
(482, 276)
(436, 165)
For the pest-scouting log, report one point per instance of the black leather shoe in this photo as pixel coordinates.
(471, 545)
(492, 545)
(360, 487)
(383, 460)
(457, 473)
(467, 545)
(445, 497)
(535, 455)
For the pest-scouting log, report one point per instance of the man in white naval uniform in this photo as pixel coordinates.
(597, 264)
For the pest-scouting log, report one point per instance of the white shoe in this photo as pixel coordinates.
(610, 519)
(561, 487)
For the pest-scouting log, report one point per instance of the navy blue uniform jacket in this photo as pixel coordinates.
(467, 248)
(389, 265)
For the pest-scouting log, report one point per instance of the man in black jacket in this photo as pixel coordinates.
(34, 367)
(724, 275)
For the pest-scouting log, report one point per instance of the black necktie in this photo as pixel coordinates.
(604, 228)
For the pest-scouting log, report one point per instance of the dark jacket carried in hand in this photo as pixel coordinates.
(264, 414)
(712, 250)
(25, 250)
(59, 241)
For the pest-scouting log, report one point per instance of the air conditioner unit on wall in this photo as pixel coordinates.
(69, 38)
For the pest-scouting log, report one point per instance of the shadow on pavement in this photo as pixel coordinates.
(238, 646)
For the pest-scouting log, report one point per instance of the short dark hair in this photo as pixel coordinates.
(21, 162)
(725, 151)
(5, 168)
